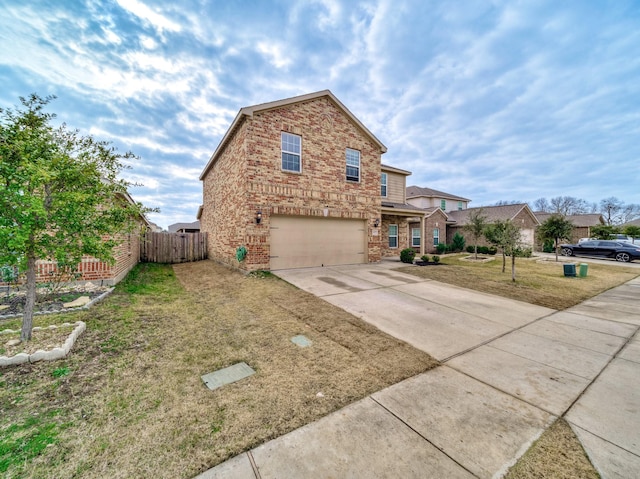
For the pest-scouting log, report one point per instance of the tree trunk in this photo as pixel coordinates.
(504, 261)
(475, 250)
(513, 266)
(27, 317)
(556, 248)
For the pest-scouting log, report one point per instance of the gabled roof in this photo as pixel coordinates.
(591, 219)
(183, 226)
(251, 110)
(493, 213)
(635, 222)
(390, 207)
(417, 191)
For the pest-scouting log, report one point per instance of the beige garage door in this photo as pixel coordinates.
(299, 242)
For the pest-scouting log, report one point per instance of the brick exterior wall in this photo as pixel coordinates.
(404, 238)
(437, 219)
(247, 177)
(126, 255)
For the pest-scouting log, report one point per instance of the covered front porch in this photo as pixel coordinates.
(397, 234)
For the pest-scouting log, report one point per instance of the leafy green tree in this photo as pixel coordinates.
(505, 235)
(556, 228)
(633, 231)
(60, 195)
(475, 227)
(604, 232)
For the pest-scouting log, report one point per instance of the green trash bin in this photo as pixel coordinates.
(570, 270)
(584, 267)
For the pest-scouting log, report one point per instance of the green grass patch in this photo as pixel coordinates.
(21, 442)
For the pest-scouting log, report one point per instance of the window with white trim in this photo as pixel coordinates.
(291, 152)
(436, 237)
(393, 236)
(353, 165)
(383, 185)
(459, 205)
(443, 205)
(415, 237)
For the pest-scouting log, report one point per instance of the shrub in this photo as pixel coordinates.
(492, 250)
(547, 246)
(425, 258)
(407, 255)
(436, 259)
(522, 253)
(457, 243)
(441, 248)
(470, 249)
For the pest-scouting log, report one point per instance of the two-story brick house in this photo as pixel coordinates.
(298, 183)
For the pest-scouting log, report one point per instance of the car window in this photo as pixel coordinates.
(606, 244)
(589, 244)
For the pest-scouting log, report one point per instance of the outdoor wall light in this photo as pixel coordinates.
(376, 222)
(258, 217)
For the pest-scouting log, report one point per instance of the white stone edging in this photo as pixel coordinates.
(41, 355)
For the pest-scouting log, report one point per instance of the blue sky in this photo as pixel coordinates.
(499, 100)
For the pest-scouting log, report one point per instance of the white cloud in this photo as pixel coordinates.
(142, 11)
(277, 54)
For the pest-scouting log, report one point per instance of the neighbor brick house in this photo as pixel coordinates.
(126, 255)
(520, 214)
(299, 182)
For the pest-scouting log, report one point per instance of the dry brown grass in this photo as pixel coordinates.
(557, 454)
(133, 403)
(541, 283)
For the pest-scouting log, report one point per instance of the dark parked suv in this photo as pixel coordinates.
(603, 249)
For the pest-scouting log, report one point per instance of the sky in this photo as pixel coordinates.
(488, 100)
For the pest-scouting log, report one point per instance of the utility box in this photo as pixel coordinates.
(570, 270)
(584, 268)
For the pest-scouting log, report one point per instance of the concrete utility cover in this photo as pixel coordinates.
(301, 341)
(228, 375)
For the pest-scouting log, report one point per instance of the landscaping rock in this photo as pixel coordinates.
(78, 303)
(12, 342)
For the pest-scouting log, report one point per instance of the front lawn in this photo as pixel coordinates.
(129, 401)
(542, 283)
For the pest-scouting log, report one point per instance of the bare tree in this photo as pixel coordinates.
(541, 204)
(611, 208)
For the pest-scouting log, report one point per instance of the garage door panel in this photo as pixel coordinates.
(298, 242)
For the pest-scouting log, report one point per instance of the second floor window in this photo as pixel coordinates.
(353, 165)
(291, 152)
(383, 185)
(443, 205)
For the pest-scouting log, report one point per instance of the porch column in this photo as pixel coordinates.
(423, 235)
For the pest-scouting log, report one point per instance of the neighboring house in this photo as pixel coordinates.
(126, 255)
(582, 225)
(520, 214)
(154, 228)
(298, 183)
(429, 198)
(184, 227)
(435, 204)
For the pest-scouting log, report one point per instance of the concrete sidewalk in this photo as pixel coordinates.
(510, 369)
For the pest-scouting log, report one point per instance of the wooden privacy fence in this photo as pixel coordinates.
(173, 247)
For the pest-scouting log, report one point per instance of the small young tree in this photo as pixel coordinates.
(506, 235)
(556, 228)
(475, 227)
(633, 231)
(60, 195)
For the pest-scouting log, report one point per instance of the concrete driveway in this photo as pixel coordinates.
(510, 369)
(437, 318)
